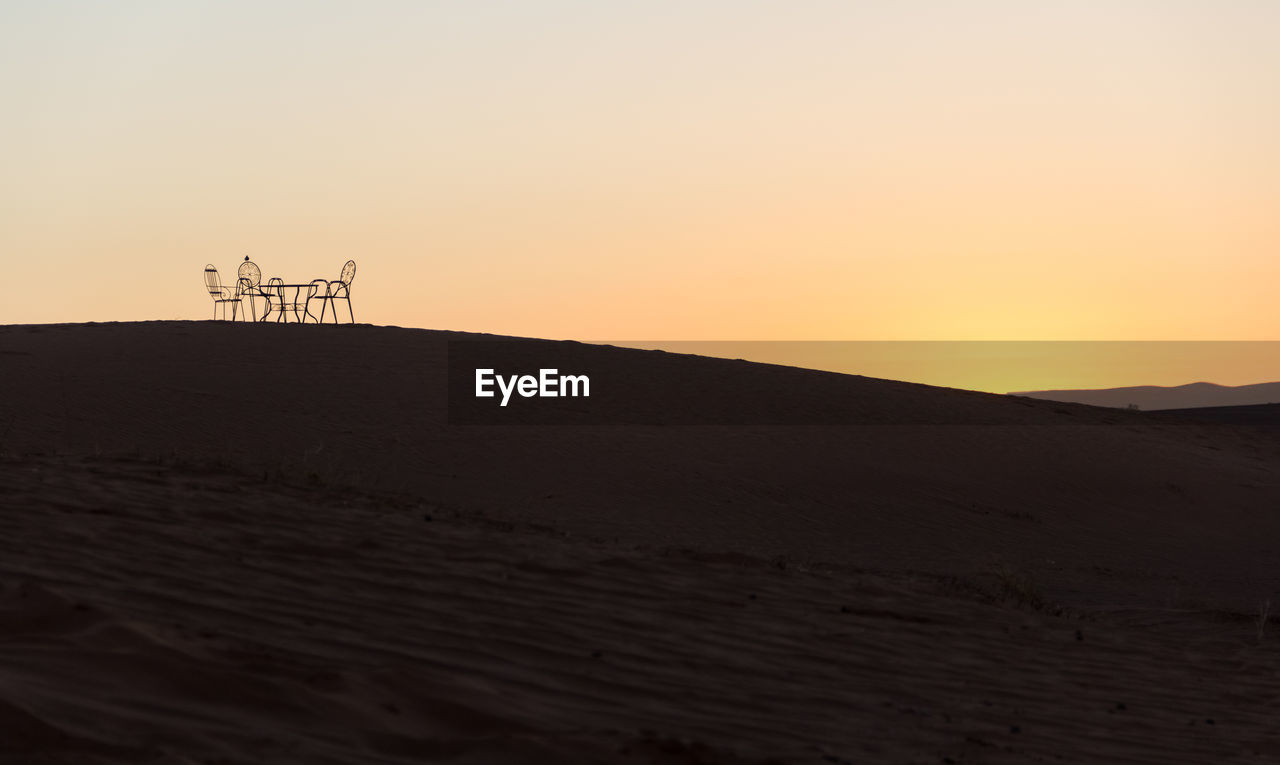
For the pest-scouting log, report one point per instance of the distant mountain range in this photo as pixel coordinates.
(1192, 396)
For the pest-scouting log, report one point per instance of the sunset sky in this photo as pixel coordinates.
(655, 171)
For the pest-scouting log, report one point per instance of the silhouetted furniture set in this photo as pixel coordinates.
(281, 299)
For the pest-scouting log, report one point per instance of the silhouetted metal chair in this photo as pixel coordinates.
(276, 295)
(248, 279)
(317, 290)
(221, 295)
(340, 290)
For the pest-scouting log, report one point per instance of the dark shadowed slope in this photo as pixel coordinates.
(156, 613)
(266, 544)
(1260, 417)
(1102, 506)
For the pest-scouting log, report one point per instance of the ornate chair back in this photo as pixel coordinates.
(212, 283)
(249, 276)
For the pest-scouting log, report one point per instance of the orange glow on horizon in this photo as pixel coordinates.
(674, 171)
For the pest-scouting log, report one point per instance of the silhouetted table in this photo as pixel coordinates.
(298, 306)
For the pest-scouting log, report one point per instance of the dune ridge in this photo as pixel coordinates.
(267, 544)
(1189, 396)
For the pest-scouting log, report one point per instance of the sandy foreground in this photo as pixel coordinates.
(237, 544)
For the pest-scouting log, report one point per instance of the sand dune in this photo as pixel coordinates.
(1192, 395)
(229, 543)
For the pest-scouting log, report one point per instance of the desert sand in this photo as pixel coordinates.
(230, 543)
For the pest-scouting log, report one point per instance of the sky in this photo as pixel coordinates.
(1006, 366)
(648, 171)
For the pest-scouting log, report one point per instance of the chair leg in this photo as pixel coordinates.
(351, 313)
